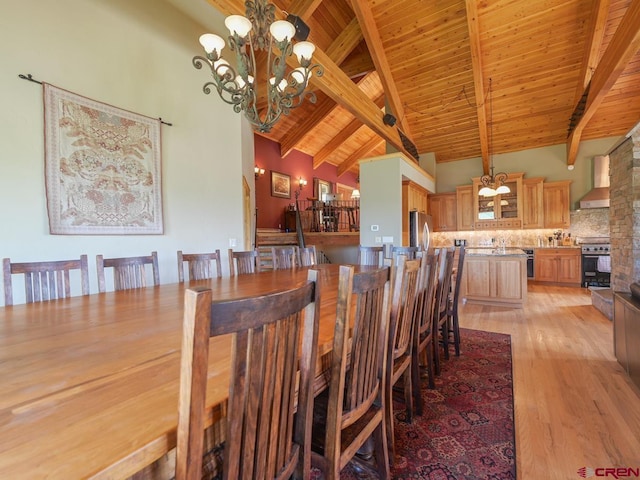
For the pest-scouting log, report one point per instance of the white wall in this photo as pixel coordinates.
(549, 162)
(135, 55)
(381, 195)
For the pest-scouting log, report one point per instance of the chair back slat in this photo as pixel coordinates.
(264, 439)
(44, 281)
(199, 265)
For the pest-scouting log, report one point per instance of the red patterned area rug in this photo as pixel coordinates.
(466, 430)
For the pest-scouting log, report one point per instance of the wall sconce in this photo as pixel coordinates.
(301, 183)
(258, 171)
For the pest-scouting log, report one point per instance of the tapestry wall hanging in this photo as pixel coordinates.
(102, 167)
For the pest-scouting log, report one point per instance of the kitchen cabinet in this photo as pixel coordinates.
(501, 211)
(442, 207)
(495, 279)
(560, 266)
(626, 333)
(464, 207)
(415, 195)
(532, 202)
(556, 204)
(414, 198)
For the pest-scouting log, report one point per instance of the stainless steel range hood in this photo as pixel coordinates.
(598, 196)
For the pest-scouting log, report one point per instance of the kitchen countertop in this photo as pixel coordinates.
(495, 252)
(559, 246)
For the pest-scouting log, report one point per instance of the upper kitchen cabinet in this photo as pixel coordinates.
(503, 211)
(532, 211)
(464, 207)
(415, 197)
(556, 204)
(442, 207)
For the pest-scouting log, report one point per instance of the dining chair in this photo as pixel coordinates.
(370, 255)
(45, 280)
(401, 326)
(409, 252)
(440, 334)
(308, 256)
(268, 424)
(242, 263)
(199, 265)
(423, 350)
(330, 217)
(352, 409)
(453, 323)
(387, 250)
(128, 272)
(284, 257)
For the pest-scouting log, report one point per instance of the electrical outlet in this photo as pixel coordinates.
(378, 239)
(232, 242)
(375, 228)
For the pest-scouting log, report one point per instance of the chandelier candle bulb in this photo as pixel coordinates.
(238, 25)
(211, 43)
(300, 76)
(304, 52)
(282, 30)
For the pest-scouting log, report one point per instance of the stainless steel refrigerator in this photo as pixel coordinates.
(420, 228)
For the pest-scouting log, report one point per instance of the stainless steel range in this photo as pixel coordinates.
(596, 261)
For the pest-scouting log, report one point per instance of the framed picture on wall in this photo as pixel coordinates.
(321, 188)
(280, 185)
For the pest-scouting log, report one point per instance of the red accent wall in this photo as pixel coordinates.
(296, 164)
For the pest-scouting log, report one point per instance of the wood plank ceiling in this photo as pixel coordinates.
(431, 63)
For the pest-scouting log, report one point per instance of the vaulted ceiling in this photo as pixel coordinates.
(464, 78)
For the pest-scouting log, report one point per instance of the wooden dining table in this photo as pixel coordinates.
(90, 383)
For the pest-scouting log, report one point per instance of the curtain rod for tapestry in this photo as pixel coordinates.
(30, 78)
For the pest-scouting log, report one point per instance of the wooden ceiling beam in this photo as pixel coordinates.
(478, 82)
(359, 154)
(320, 157)
(595, 35)
(290, 140)
(349, 39)
(357, 65)
(303, 8)
(376, 49)
(336, 85)
(622, 48)
(346, 42)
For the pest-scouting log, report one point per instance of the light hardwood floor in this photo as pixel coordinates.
(574, 405)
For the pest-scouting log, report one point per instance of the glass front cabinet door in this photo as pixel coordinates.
(501, 211)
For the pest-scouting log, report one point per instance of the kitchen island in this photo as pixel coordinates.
(495, 276)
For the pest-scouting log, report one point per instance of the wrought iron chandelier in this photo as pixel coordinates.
(258, 30)
(492, 185)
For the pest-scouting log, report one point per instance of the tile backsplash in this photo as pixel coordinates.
(584, 223)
